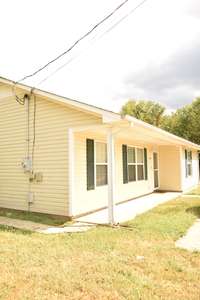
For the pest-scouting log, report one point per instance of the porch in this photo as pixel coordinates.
(129, 210)
(133, 159)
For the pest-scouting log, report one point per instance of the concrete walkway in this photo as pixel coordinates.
(123, 212)
(191, 241)
(42, 228)
(129, 210)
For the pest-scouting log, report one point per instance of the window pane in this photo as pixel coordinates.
(156, 183)
(131, 173)
(140, 172)
(140, 155)
(189, 170)
(101, 175)
(101, 153)
(155, 160)
(131, 155)
(189, 155)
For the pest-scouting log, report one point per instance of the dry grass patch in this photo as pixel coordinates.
(102, 263)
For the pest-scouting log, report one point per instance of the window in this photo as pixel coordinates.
(156, 170)
(188, 163)
(135, 160)
(131, 164)
(140, 164)
(101, 164)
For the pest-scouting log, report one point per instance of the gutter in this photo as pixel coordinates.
(145, 125)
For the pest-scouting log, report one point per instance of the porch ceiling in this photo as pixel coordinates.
(144, 136)
(138, 132)
(129, 133)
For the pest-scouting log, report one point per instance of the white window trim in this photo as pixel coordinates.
(158, 169)
(189, 162)
(99, 164)
(136, 164)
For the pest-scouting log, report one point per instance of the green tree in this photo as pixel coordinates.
(185, 122)
(147, 111)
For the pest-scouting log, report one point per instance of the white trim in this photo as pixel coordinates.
(189, 162)
(71, 171)
(99, 164)
(182, 174)
(111, 177)
(107, 116)
(89, 127)
(158, 170)
(165, 134)
(136, 164)
(198, 159)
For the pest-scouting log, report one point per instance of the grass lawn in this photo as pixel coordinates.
(32, 216)
(102, 263)
(195, 191)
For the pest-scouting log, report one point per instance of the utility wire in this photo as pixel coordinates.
(103, 34)
(123, 18)
(21, 101)
(75, 43)
(9, 97)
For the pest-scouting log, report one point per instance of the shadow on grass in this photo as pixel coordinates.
(195, 210)
(5, 228)
(52, 220)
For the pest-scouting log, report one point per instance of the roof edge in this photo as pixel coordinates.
(107, 115)
(161, 131)
(63, 99)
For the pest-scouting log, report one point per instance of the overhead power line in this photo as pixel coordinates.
(75, 43)
(103, 34)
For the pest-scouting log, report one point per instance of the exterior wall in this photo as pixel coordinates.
(191, 181)
(137, 188)
(85, 201)
(170, 168)
(51, 159)
(51, 153)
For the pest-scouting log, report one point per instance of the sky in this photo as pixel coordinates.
(151, 54)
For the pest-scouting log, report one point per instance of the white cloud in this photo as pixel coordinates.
(37, 31)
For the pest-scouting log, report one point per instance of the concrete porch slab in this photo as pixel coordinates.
(130, 209)
(191, 241)
(42, 228)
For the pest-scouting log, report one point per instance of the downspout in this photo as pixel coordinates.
(26, 97)
(71, 176)
(28, 160)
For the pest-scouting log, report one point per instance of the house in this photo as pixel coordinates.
(60, 156)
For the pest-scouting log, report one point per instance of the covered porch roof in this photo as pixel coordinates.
(132, 129)
(129, 126)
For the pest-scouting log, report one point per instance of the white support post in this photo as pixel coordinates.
(111, 177)
(71, 171)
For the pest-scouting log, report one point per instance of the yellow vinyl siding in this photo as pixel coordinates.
(51, 153)
(51, 159)
(170, 168)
